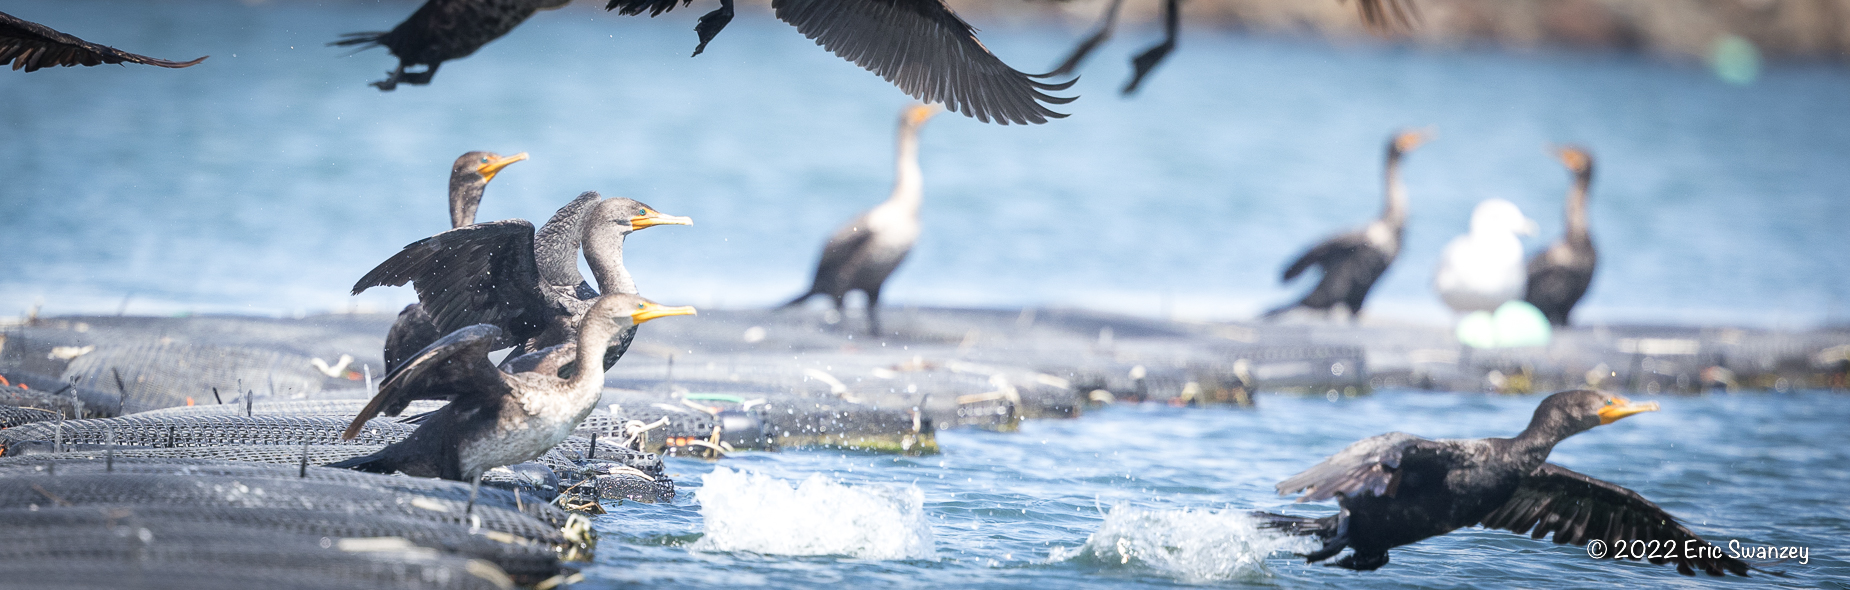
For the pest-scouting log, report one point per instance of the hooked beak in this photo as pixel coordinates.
(495, 165)
(655, 218)
(1409, 140)
(650, 310)
(1619, 407)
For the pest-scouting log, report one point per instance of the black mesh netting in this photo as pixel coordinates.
(11, 416)
(183, 431)
(156, 375)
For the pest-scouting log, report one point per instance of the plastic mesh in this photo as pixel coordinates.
(164, 375)
(11, 416)
(183, 431)
(302, 408)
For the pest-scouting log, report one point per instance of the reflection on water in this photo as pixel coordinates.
(270, 177)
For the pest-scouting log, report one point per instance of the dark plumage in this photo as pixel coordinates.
(469, 177)
(498, 273)
(1353, 261)
(919, 46)
(1559, 276)
(1397, 489)
(863, 253)
(1382, 16)
(493, 418)
(442, 30)
(30, 46)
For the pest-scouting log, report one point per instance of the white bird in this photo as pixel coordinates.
(1483, 269)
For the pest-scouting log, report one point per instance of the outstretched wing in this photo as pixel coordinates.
(556, 245)
(928, 52)
(30, 46)
(1369, 465)
(1335, 247)
(1579, 509)
(455, 366)
(475, 274)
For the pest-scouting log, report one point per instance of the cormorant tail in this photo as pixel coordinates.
(800, 299)
(1278, 311)
(374, 463)
(1296, 525)
(368, 39)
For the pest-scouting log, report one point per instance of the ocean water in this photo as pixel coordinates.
(269, 178)
(1153, 496)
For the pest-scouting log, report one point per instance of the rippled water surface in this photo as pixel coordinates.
(1152, 496)
(271, 177)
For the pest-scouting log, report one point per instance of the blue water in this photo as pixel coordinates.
(269, 178)
(1008, 510)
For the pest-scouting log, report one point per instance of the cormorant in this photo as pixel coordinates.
(493, 418)
(1353, 261)
(30, 46)
(920, 46)
(1559, 276)
(1396, 489)
(1381, 16)
(442, 30)
(864, 252)
(469, 176)
(498, 273)
(1481, 270)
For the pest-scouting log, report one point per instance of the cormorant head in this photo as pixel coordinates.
(1406, 140)
(622, 216)
(1576, 159)
(916, 115)
(482, 165)
(1498, 215)
(1580, 410)
(625, 308)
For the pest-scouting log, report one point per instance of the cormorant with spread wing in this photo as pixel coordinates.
(493, 418)
(1353, 261)
(1396, 489)
(442, 30)
(1559, 276)
(863, 253)
(30, 46)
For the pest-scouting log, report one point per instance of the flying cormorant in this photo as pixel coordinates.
(493, 418)
(1481, 270)
(1353, 261)
(498, 273)
(469, 176)
(1384, 17)
(1559, 276)
(30, 46)
(1396, 489)
(864, 252)
(442, 30)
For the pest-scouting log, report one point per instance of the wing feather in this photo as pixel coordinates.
(30, 46)
(455, 366)
(1369, 465)
(476, 274)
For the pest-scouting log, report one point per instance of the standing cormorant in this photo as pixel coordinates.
(1559, 276)
(442, 30)
(493, 418)
(498, 273)
(469, 177)
(1383, 17)
(1396, 489)
(1353, 261)
(1482, 269)
(864, 252)
(30, 46)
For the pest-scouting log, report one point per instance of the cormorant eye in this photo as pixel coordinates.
(1608, 401)
(484, 160)
(642, 306)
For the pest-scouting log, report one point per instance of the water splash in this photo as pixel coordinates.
(1189, 545)
(821, 516)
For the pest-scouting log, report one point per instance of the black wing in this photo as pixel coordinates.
(1579, 509)
(842, 249)
(1333, 248)
(556, 245)
(30, 46)
(455, 366)
(475, 274)
(928, 52)
(1369, 465)
(448, 29)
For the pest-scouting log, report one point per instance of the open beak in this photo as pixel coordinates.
(495, 165)
(655, 218)
(1619, 407)
(650, 310)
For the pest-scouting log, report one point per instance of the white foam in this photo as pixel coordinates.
(758, 513)
(1189, 545)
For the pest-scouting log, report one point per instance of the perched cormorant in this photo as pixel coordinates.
(864, 252)
(469, 176)
(920, 46)
(1381, 16)
(1559, 276)
(442, 30)
(1396, 489)
(499, 273)
(30, 46)
(1482, 269)
(493, 418)
(1353, 261)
